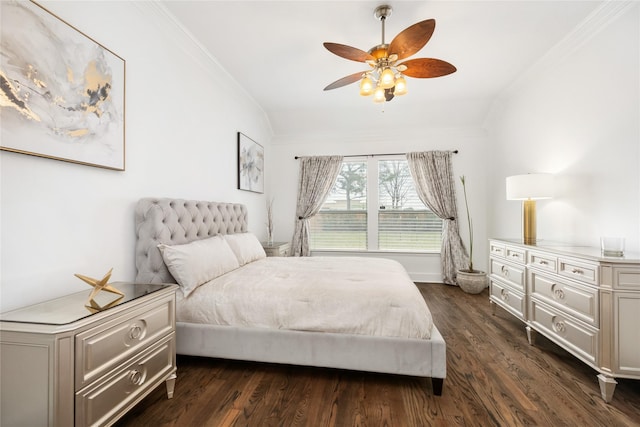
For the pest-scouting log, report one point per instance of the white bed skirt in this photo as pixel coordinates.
(415, 357)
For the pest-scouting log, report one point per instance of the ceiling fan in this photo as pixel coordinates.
(385, 79)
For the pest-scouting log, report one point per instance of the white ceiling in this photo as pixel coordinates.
(274, 50)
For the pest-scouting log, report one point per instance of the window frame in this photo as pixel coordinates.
(373, 208)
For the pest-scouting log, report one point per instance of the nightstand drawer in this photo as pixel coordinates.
(104, 400)
(587, 273)
(101, 348)
(277, 249)
(511, 273)
(578, 338)
(508, 298)
(579, 301)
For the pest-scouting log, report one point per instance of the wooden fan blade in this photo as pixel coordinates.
(412, 39)
(348, 52)
(345, 81)
(427, 67)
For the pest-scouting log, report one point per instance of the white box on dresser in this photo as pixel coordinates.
(586, 303)
(64, 365)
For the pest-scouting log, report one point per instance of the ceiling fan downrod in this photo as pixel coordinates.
(382, 13)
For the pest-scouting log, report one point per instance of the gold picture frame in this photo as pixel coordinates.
(64, 92)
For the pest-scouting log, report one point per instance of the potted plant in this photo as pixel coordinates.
(469, 279)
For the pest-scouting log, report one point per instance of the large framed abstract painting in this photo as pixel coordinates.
(62, 94)
(250, 164)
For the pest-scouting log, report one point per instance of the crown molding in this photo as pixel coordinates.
(603, 16)
(598, 20)
(173, 29)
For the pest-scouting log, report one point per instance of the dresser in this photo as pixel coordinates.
(66, 363)
(276, 248)
(586, 303)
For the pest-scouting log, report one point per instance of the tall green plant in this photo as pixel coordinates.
(464, 189)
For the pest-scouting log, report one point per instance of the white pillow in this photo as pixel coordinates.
(195, 263)
(246, 247)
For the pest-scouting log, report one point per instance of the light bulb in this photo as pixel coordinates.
(387, 79)
(366, 86)
(378, 95)
(401, 86)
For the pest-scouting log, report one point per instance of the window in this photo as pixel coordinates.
(342, 220)
(391, 218)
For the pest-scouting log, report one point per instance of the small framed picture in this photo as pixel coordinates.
(250, 164)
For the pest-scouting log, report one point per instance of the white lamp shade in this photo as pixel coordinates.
(530, 186)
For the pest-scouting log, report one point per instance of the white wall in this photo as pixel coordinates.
(471, 161)
(576, 115)
(182, 115)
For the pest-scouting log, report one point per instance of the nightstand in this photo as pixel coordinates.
(63, 364)
(276, 248)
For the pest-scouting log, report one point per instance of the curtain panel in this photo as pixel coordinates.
(433, 176)
(316, 178)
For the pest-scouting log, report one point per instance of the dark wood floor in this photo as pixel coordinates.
(494, 378)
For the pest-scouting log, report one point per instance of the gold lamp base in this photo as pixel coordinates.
(529, 221)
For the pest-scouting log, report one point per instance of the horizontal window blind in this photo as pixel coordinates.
(338, 229)
(409, 230)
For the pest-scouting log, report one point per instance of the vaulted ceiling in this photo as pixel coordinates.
(274, 50)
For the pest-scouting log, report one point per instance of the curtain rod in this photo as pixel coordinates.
(377, 155)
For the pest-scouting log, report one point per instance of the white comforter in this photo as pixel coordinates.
(324, 294)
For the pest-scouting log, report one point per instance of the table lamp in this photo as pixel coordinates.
(529, 188)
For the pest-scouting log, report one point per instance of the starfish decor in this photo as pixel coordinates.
(99, 285)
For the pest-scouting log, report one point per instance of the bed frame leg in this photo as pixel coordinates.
(437, 384)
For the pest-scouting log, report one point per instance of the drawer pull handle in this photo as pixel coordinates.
(504, 294)
(136, 377)
(135, 332)
(542, 262)
(505, 271)
(559, 326)
(559, 294)
(577, 271)
(514, 255)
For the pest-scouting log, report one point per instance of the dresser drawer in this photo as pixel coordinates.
(508, 298)
(624, 277)
(583, 272)
(516, 255)
(579, 301)
(543, 261)
(101, 348)
(104, 400)
(496, 249)
(508, 272)
(578, 338)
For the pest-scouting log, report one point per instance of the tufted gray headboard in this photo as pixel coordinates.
(176, 221)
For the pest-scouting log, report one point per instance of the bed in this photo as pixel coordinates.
(164, 227)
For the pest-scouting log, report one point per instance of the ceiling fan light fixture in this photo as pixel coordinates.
(401, 86)
(387, 78)
(387, 73)
(379, 95)
(366, 86)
